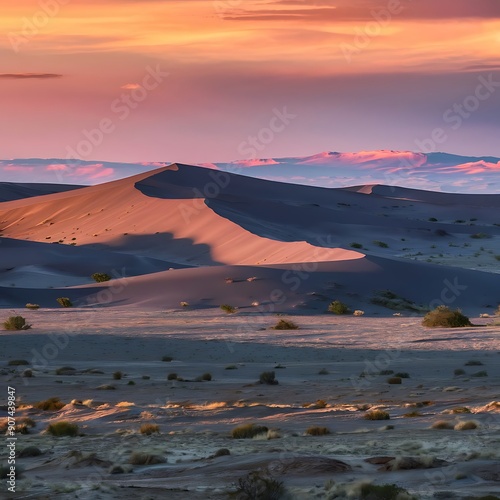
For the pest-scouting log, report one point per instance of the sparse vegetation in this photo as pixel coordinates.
(268, 378)
(64, 302)
(100, 277)
(18, 362)
(389, 299)
(16, 323)
(228, 309)
(377, 415)
(33, 307)
(51, 404)
(338, 307)
(285, 324)
(149, 429)
(317, 431)
(248, 431)
(444, 317)
(63, 428)
(380, 244)
(258, 486)
(383, 492)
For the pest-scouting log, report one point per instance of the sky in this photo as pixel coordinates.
(216, 81)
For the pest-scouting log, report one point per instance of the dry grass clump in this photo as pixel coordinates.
(444, 317)
(64, 302)
(442, 424)
(413, 414)
(338, 307)
(149, 429)
(167, 359)
(474, 362)
(284, 324)
(16, 323)
(117, 375)
(394, 380)
(63, 428)
(51, 404)
(377, 415)
(18, 362)
(248, 431)
(228, 309)
(257, 485)
(458, 372)
(466, 425)
(33, 307)
(172, 376)
(317, 431)
(268, 378)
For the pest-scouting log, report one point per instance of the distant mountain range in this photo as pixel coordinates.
(434, 172)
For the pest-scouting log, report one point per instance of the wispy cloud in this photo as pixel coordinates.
(25, 76)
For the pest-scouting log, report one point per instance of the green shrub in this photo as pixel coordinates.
(100, 277)
(231, 367)
(323, 371)
(480, 236)
(337, 307)
(117, 375)
(356, 245)
(228, 309)
(16, 323)
(51, 404)
(64, 302)
(317, 431)
(482, 373)
(206, 377)
(459, 372)
(284, 324)
(149, 429)
(444, 317)
(167, 359)
(377, 415)
(268, 378)
(402, 375)
(383, 492)
(432, 219)
(258, 486)
(248, 431)
(33, 307)
(474, 362)
(65, 370)
(380, 244)
(172, 376)
(63, 428)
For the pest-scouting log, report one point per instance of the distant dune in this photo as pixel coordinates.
(187, 233)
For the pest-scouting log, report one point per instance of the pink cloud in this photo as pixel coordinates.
(56, 167)
(93, 171)
(18, 168)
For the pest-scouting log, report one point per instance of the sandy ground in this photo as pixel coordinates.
(195, 418)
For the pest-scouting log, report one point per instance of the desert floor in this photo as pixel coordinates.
(195, 418)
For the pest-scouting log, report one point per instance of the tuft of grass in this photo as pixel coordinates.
(141, 458)
(117, 375)
(338, 307)
(444, 317)
(248, 431)
(65, 370)
(380, 244)
(64, 302)
(377, 415)
(228, 309)
(458, 372)
(172, 376)
(206, 377)
(480, 236)
(231, 367)
(461, 409)
(402, 375)
(323, 371)
(149, 429)
(383, 492)
(268, 378)
(51, 404)
(413, 414)
(394, 380)
(16, 323)
(466, 425)
(482, 373)
(100, 277)
(356, 245)
(33, 307)
(317, 431)
(63, 428)
(284, 324)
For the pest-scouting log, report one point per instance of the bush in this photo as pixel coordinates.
(482, 373)
(149, 429)
(228, 309)
(402, 375)
(323, 371)
(64, 302)
(33, 307)
(458, 372)
(432, 219)
(248, 431)
(444, 317)
(140, 458)
(231, 367)
(380, 244)
(467, 425)
(337, 307)
(383, 492)
(16, 323)
(268, 378)
(317, 431)
(377, 415)
(18, 362)
(172, 376)
(412, 414)
(207, 377)
(356, 245)
(100, 277)
(474, 362)
(284, 324)
(117, 375)
(167, 359)
(63, 428)
(394, 380)
(51, 404)
(65, 370)
(256, 485)
(442, 424)
(480, 236)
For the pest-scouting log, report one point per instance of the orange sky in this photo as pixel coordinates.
(387, 71)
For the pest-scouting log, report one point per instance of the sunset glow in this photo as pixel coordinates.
(351, 71)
